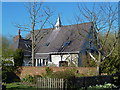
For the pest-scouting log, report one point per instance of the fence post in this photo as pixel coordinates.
(64, 84)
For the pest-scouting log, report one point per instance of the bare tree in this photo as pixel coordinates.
(38, 18)
(104, 19)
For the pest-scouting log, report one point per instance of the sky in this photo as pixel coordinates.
(16, 13)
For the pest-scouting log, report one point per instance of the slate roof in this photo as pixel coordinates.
(23, 44)
(63, 39)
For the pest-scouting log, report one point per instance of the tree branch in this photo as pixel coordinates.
(92, 56)
(111, 50)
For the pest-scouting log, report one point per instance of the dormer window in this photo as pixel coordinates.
(28, 46)
(66, 43)
(46, 44)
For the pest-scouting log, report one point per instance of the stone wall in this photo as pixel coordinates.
(29, 70)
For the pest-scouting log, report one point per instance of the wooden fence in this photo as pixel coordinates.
(73, 83)
(50, 83)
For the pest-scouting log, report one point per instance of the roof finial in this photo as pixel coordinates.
(58, 22)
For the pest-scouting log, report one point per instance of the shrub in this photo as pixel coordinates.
(105, 86)
(111, 65)
(66, 74)
(8, 72)
(48, 72)
(18, 57)
(30, 78)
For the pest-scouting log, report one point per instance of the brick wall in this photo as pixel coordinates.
(29, 70)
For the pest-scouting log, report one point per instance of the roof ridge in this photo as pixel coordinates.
(65, 26)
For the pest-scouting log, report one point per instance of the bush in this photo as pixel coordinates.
(30, 78)
(18, 57)
(48, 72)
(116, 78)
(105, 86)
(111, 66)
(66, 74)
(8, 72)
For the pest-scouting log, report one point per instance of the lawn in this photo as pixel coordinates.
(18, 86)
(23, 86)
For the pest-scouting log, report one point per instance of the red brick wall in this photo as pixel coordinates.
(29, 70)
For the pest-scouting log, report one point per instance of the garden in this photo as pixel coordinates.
(69, 76)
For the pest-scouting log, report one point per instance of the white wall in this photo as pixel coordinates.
(67, 57)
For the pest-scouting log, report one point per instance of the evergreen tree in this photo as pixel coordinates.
(18, 57)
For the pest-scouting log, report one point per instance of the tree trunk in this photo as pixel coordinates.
(98, 68)
(98, 63)
(33, 44)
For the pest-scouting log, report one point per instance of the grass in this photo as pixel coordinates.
(18, 86)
